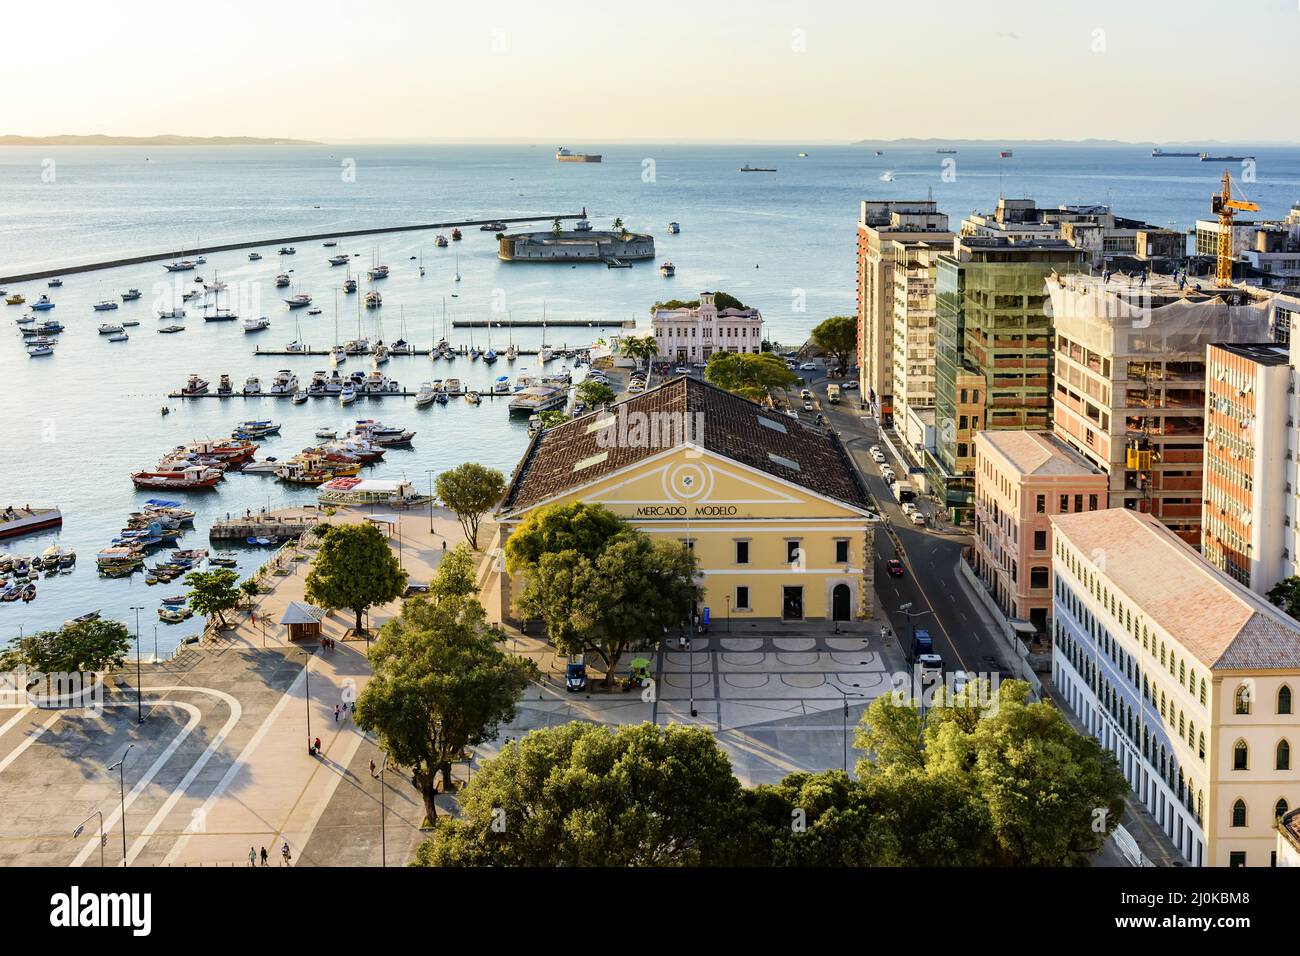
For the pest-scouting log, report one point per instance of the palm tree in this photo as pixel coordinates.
(556, 229)
(618, 225)
(641, 348)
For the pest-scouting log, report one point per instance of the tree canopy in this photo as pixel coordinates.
(456, 575)
(587, 795)
(593, 393)
(214, 592)
(356, 569)
(723, 300)
(441, 683)
(838, 335)
(84, 646)
(1286, 595)
(749, 375)
(641, 347)
(470, 491)
(598, 585)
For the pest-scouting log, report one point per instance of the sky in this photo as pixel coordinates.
(584, 73)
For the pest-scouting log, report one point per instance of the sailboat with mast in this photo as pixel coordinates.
(490, 355)
(512, 352)
(337, 354)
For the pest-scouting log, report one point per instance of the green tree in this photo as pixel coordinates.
(748, 375)
(1050, 794)
(675, 304)
(724, 300)
(606, 603)
(619, 227)
(456, 575)
(551, 418)
(838, 335)
(85, 646)
(248, 588)
(356, 569)
(441, 683)
(470, 490)
(1286, 595)
(214, 592)
(588, 795)
(556, 228)
(594, 393)
(578, 526)
(643, 348)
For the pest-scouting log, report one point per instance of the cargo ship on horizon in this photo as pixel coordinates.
(563, 155)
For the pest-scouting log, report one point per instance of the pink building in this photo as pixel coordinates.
(1021, 479)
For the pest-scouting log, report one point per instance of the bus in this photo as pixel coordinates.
(833, 394)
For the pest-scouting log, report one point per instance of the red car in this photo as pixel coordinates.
(894, 567)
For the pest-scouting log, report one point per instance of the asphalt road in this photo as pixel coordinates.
(930, 558)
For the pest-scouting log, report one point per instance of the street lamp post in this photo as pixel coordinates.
(728, 613)
(383, 835)
(102, 839)
(846, 695)
(155, 643)
(139, 704)
(307, 676)
(690, 653)
(429, 472)
(120, 767)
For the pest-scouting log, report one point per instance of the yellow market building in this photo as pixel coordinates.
(773, 508)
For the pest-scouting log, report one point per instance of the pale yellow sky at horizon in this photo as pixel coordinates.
(340, 70)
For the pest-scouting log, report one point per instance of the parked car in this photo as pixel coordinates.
(908, 508)
(918, 518)
(575, 676)
(849, 386)
(681, 370)
(807, 406)
(894, 567)
(931, 666)
(807, 367)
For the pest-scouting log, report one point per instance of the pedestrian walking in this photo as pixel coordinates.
(285, 854)
(336, 713)
(372, 768)
(318, 745)
(252, 857)
(264, 856)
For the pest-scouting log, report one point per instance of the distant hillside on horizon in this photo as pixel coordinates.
(1174, 144)
(99, 139)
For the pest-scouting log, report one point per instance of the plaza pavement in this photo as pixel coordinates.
(220, 763)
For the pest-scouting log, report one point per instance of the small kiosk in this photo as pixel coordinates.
(303, 621)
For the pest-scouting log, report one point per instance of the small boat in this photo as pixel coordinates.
(191, 295)
(55, 283)
(119, 337)
(300, 396)
(266, 467)
(37, 351)
(455, 235)
(282, 280)
(175, 600)
(180, 265)
(288, 250)
(440, 241)
(472, 397)
(254, 256)
(15, 299)
(42, 304)
(252, 385)
(349, 285)
(492, 227)
(887, 176)
(326, 433)
(347, 395)
(301, 300)
(339, 260)
(667, 270)
(329, 243)
(295, 346)
(257, 325)
(582, 225)
(373, 299)
(169, 615)
(674, 228)
(195, 386)
(224, 559)
(171, 329)
(426, 395)
(757, 169)
(130, 295)
(108, 328)
(378, 272)
(313, 311)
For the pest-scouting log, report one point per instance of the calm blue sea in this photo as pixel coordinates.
(78, 423)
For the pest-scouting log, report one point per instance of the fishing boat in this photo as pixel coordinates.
(15, 299)
(189, 478)
(256, 325)
(43, 304)
(195, 386)
(667, 270)
(18, 521)
(130, 295)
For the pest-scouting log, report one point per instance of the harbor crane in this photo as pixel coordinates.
(1225, 207)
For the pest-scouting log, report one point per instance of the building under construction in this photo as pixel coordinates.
(1130, 381)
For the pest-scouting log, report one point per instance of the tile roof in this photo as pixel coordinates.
(575, 453)
(1224, 625)
(1036, 453)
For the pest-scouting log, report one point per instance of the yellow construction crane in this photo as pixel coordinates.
(1225, 207)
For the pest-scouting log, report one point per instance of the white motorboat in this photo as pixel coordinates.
(108, 328)
(252, 385)
(425, 395)
(267, 466)
(284, 383)
(380, 355)
(254, 256)
(326, 433)
(118, 337)
(295, 346)
(348, 394)
(299, 301)
(282, 280)
(300, 396)
(107, 305)
(36, 351)
(257, 325)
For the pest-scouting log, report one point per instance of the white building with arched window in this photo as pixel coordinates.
(1189, 678)
(694, 333)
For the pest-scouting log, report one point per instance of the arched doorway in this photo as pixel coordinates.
(841, 599)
